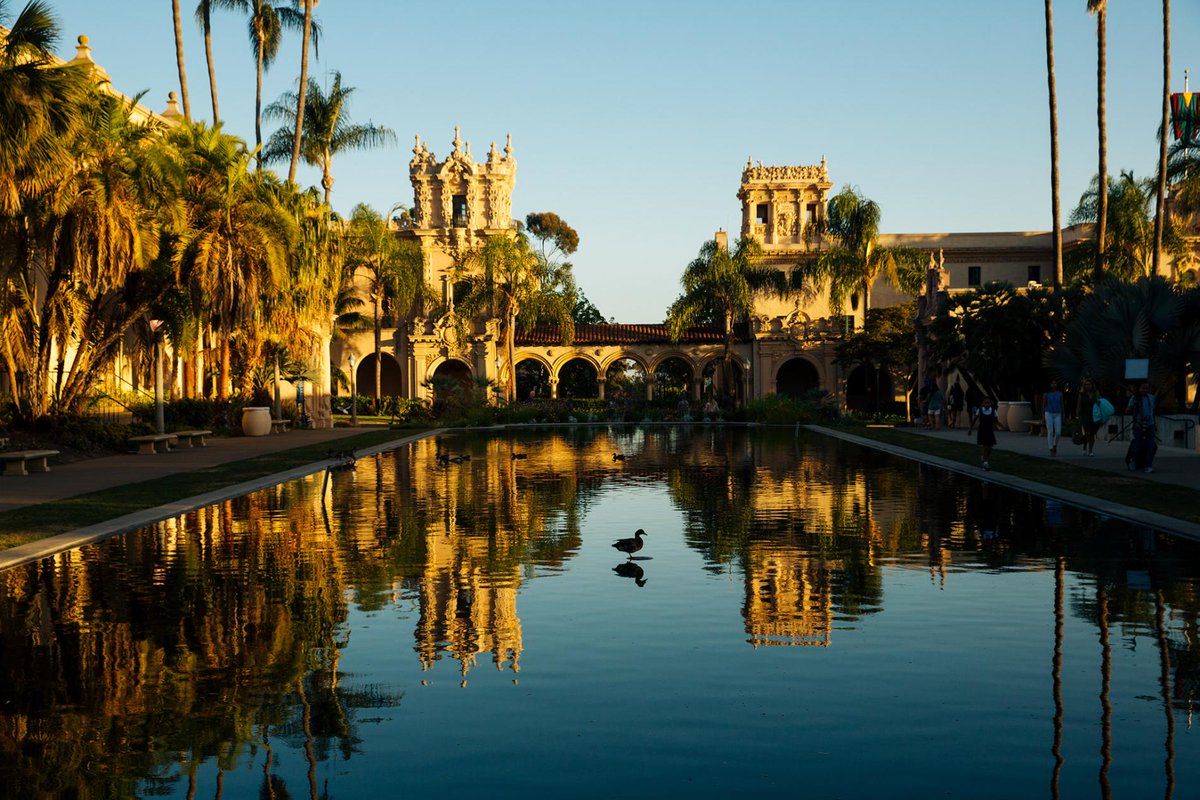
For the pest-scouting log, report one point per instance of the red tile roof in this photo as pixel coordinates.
(625, 334)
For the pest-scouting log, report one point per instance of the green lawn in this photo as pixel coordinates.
(1167, 499)
(22, 525)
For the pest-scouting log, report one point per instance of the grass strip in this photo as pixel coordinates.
(30, 523)
(1171, 500)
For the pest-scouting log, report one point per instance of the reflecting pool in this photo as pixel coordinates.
(805, 616)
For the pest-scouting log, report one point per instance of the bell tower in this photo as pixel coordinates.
(781, 204)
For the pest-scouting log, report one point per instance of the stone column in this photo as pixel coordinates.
(553, 387)
(697, 388)
(600, 380)
(649, 388)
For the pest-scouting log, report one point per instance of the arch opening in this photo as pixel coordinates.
(533, 379)
(577, 380)
(390, 382)
(796, 378)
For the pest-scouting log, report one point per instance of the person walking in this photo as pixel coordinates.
(954, 404)
(1052, 411)
(986, 419)
(1145, 444)
(935, 407)
(1085, 411)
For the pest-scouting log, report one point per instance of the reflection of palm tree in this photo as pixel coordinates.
(1056, 674)
(1164, 680)
(1105, 682)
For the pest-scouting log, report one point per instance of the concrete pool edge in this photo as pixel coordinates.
(62, 542)
(1135, 516)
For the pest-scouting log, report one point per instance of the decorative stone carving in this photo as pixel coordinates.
(799, 173)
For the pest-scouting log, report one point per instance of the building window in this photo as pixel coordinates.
(760, 213)
(460, 211)
(1035, 273)
(973, 276)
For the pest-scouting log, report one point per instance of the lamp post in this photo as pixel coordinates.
(353, 395)
(159, 423)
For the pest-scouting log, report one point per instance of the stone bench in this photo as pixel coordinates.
(192, 438)
(280, 425)
(153, 443)
(1037, 427)
(17, 461)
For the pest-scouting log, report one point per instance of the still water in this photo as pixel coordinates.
(806, 617)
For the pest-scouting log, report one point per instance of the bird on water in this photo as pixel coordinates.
(618, 456)
(631, 545)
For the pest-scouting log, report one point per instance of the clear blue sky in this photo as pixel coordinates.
(633, 119)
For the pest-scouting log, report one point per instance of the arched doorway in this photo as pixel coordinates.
(624, 379)
(533, 380)
(577, 380)
(389, 377)
(796, 378)
(869, 388)
(673, 380)
(452, 385)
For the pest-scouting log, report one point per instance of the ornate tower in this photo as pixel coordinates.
(780, 203)
(457, 202)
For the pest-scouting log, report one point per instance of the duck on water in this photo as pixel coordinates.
(631, 545)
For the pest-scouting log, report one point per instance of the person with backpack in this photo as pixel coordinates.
(1145, 444)
(1085, 412)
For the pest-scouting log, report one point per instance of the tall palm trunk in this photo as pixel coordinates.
(262, 44)
(1101, 69)
(1057, 230)
(212, 73)
(308, 10)
(183, 90)
(1160, 204)
(378, 346)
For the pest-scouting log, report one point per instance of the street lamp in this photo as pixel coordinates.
(159, 423)
(500, 384)
(353, 395)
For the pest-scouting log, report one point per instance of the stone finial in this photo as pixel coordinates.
(82, 51)
(508, 147)
(457, 141)
(172, 111)
(417, 145)
(467, 151)
(749, 162)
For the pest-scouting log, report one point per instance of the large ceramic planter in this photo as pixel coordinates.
(1019, 412)
(256, 420)
(1002, 414)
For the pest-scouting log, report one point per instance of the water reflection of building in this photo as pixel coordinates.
(788, 597)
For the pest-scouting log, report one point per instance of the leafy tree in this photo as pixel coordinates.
(327, 128)
(556, 237)
(856, 260)
(997, 335)
(585, 313)
(886, 341)
(1147, 319)
(719, 287)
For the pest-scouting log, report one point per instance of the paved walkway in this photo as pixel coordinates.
(91, 475)
(1171, 464)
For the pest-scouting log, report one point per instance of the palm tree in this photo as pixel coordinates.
(38, 102)
(298, 132)
(394, 272)
(183, 90)
(720, 287)
(1161, 199)
(1099, 8)
(327, 129)
(1056, 231)
(1129, 225)
(856, 260)
(234, 243)
(506, 280)
(265, 26)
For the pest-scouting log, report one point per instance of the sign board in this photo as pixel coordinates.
(1137, 369)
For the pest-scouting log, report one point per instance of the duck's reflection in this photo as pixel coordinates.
(631, 569)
